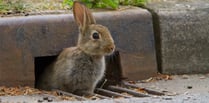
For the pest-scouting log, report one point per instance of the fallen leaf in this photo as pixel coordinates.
(132, 82)
(15, 91)
(126, 94)
(149, 80)
(141, 90)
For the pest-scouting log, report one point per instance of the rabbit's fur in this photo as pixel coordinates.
(78, 69)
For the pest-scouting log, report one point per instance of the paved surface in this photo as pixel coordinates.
(182, 88)
(181, 84)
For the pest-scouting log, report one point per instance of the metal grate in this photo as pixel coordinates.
(125, 90)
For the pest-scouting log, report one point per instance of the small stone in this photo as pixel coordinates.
(94, 98)
(185, 76)
(189, 87)
(27, 14)
(202, 77)
(40, 101)
(45, 98)
(167, 98)
(186, 93)
(50, 100)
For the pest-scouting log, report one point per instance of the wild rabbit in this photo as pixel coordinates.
(78, 69)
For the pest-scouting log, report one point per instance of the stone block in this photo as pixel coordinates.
(182, 35)
(23, 39)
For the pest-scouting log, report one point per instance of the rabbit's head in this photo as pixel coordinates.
(94, 39)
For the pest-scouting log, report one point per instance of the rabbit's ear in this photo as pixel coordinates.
(90, 17)
(82, 15)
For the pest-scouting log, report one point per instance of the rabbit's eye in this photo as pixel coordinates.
(95, 35)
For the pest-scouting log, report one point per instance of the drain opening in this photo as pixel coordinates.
(40, 64)
(113, 73)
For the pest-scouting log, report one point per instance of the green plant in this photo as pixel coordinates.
(3, 7)
(12, 6)
(113, 4)
(19, 6)
(96, 3)
(133, 2)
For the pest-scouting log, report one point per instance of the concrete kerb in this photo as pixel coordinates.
(180, 42)
(182, 36)
(24, 38)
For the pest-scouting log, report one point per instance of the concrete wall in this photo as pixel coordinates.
(24, 38)
(182, 35)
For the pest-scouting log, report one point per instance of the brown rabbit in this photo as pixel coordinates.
(78, 69)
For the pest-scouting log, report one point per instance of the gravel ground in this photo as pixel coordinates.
(182, 98)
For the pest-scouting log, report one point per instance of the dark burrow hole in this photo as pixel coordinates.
(113, 73)
(112, 85)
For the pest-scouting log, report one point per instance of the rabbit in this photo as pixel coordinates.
(78, 69)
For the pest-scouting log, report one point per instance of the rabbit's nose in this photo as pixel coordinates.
(111, 47)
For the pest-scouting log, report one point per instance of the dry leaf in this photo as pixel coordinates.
(141, 90)
(132, 82)
(158, 77)
(148, 80)
(126, 94)
(15, 91)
